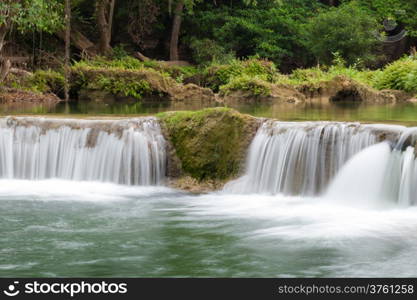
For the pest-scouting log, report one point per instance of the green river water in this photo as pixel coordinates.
(404, 113)
(56, 228)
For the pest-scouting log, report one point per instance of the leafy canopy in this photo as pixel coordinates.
(29, 15)
(348, 30)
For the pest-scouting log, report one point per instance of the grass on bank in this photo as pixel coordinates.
(131, 77)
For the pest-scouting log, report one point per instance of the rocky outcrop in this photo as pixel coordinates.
(210, 144)
(279, 93)
(193, 92)
(119, 85)
(341, 89)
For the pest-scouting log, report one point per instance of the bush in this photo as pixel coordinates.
(324, 73)
(411, 82)
(316, 75)
(206, 51)
(179, 73)
(255, 85)
(218, 75)
(125, 86)
(125, 63)
(134, 83)
(348, 30)
(119, 52)
(47, 81)
(399, 75)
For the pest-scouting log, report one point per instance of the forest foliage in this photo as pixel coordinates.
(234, 44)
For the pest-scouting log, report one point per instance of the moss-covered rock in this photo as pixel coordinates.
(277, 93)
(342, 88)
(135, 84)
(41, 81)
(210, 143)
(192, 92)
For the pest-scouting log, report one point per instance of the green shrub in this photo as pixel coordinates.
(125, 86)
(47, 81)
(218, 75)
(134, 83)
(411, 82)
(400, 75)
(316, 75)
(206, 51)
(255, 85)
(179, 73)
(125, 62)
(119, 52)
(324, 73)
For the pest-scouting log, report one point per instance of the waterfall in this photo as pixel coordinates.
(380, 175)
(301, 158)
(361, 180)
(120, 151)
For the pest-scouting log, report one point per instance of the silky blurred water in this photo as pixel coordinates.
(79, 229)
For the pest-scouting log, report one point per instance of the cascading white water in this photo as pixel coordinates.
(300, 158)
(380, 175)
(123, 151)
(361, 180)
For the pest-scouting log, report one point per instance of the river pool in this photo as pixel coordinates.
(62, 228)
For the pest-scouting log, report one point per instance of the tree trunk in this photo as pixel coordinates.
(111, 14)
(4, 64)
(80, 41)
(104, 14)
(67, 47)
(176, 26)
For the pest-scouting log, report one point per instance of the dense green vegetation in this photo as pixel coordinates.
(125, 47)
(132, 78)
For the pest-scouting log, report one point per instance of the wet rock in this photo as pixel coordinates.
(195, 186)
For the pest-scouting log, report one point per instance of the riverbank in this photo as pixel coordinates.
(240, 81)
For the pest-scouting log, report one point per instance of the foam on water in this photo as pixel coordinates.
(301, 218)
(64, 190)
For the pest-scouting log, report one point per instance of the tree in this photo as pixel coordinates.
(269, 29)
(104, 16)
(26, 15)
(67, 46)
(142, 19)
(177, 19)
(347, 30)
(401, 11)
(175, 32)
